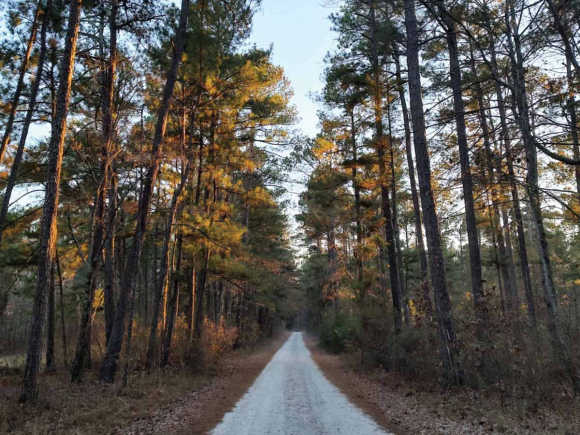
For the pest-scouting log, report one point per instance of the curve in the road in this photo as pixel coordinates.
(291, 397)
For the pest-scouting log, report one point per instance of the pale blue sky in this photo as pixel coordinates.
(301, 35)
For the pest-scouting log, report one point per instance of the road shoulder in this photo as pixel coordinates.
(202, 411)
(334, 370)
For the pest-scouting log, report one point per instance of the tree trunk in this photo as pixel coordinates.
(98, 227)
(199, 293)
(50, 361)
(20, 83)
(172, 305)
(563, 28)
(396, 230)
(191, 300)
(164, 267)
(532, 187)
(27, 121)
(425, 290)
(110, 271)
(573, 125)
(62, 322)
(503, 260)
(357, 206)
(145, 272)
(333, 279)
(383, 175)
(450, 349)
(466, 179)
(48, 227)
(110, 363)
(129, 337)
(522, 244)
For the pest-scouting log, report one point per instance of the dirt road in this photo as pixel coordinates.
(292, 396)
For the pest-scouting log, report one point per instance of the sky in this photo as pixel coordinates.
(300, 33)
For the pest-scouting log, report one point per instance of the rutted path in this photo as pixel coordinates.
(292, 396)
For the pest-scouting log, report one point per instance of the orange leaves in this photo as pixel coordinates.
(218, 337)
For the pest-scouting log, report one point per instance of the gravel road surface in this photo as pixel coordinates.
(292, 397)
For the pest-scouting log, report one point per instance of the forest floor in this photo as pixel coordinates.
(407, 408)
(172, 401)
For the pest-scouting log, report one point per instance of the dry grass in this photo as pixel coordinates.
(91, 407)
(95, 408)
(421, 407)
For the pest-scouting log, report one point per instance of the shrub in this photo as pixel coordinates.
(217, 337)
(338, 331)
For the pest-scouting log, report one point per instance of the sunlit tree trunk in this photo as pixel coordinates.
(48, 224)
(98, 229)
(158, 302)
(110, 363)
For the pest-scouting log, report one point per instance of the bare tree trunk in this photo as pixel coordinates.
(172, 305)
(425, 290)
(27, 121)
(145, 272)
(332, 281)
(129, 338)
(48, 227)
(62, 321)
(110, 363)
(450, 349)
(199, 293)
(357, 206)
(50, 361)
(532, 187)
(503, 260)
(20, 83)
(191, 300)
(386, 202)
(573, 125)
(466, 179)
(522, 244)
(110, 272)
(396, 231)
(98, 227)
(164, 267)
(563, 28)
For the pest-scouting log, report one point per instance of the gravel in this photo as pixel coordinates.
(292, 396)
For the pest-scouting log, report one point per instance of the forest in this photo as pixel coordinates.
(151, 233)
